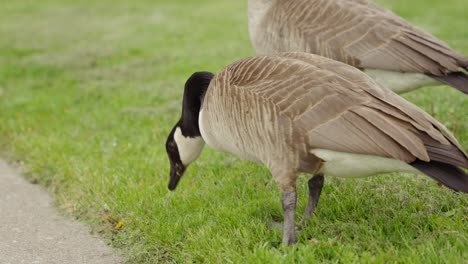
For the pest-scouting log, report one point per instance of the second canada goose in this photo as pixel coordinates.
(360, 33)
(298, 112)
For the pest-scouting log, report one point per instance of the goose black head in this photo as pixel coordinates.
(184, 144)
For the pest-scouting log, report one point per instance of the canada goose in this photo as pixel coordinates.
(298, 112)
(360, 33)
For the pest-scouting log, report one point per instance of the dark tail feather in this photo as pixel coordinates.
(463, 63)
(451, 176)
(458, 80)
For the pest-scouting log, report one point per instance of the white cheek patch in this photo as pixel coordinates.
(189, 148)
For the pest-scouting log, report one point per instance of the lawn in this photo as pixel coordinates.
(90, 89)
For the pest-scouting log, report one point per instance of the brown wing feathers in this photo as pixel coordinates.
(365, 35)
(395, 129)
(354, 134)
(446, 153)
(397, 135)
(398, 129)
(440, 62)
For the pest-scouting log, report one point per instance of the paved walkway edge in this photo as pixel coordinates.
(32, 230)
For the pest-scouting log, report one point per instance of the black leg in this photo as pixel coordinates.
(289, 207)
(315, 188)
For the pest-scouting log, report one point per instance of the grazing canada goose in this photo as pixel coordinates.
(359, 33)
(298, 112)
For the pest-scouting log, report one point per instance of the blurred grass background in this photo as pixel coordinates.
(90, 89)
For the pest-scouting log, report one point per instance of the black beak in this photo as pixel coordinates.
(177, 170)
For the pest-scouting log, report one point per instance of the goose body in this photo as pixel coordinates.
(298, 112)
(359, 33)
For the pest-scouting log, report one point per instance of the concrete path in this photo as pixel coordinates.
(32, 231)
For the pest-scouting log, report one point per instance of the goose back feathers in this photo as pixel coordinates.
(278, 109)
(356, 32)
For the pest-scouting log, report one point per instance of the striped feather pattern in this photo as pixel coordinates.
(290, 103)
(356, 32)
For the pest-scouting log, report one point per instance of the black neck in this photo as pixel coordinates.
(195, 89)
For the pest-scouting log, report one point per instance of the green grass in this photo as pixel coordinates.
(90, 89)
